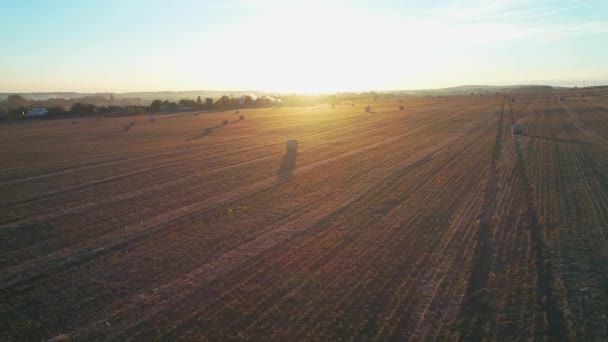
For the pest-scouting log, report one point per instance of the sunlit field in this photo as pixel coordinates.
(431, 222)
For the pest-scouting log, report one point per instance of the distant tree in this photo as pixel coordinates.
(187, 102)
(56, 112)
(16, 101)
(208, 103)
(199, 101)
(83, 109)
(224, 101)
(248, 101)
(155, 105)
(263, 101)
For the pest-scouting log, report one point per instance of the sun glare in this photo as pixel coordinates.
(312, 51)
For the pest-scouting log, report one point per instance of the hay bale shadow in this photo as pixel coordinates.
(206, 132)
(288, 165)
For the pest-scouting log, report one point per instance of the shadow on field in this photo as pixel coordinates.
(288, 165)
(555, 139)
(204, 134)
(545, 273)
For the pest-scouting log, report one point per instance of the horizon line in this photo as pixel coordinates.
(603, 84)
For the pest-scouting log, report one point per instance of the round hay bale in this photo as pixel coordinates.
(225, 122)
(368, 109)
(207, 131)
(152, 120)
(291, 145)
(74, 122)
(401, 107)
(126, 127)
(237, 112)
(242, 117)
(132, 123)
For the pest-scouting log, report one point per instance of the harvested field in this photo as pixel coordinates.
(431, 223)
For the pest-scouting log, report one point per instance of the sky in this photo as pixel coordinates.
(298, 46)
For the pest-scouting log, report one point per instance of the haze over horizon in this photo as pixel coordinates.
(286, 46)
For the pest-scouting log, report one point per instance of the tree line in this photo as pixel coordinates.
(17, 106)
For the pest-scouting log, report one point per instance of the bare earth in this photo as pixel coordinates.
(432, 223)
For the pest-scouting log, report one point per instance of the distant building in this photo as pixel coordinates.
(37, 111)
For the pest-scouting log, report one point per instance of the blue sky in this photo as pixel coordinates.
(312, 46)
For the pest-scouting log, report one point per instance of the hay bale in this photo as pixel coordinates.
(241, 117)
(237, 112)
(516, 129)
(333, 105)
(292, 145)
(368, 109)
(401, 107)
(512, 100)
(561, 98)
(132, 123)
(74, 122)
(207, 131)
(126, 127)
(152, 120)
(225, 122)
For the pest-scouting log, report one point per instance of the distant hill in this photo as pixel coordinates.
(466, 89)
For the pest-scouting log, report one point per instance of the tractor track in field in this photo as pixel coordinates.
(165, 296)
(113, 242)
(124, 196)
(155, 168)
(160, 154)
(381, 245)
(399, 172)
(98, 165)
(141, 171)
(131, 194)
(376, 195)
(545, 274)
(475, 310)
(156, 187)
(325, 222)
(103, 163)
